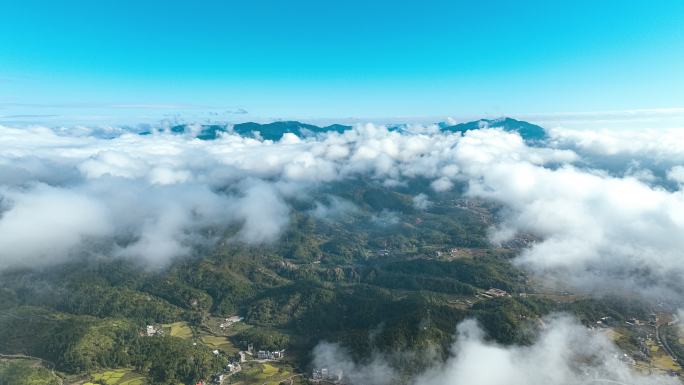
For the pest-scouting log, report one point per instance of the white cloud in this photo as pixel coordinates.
(46, 223)
(442, 184)
(590, 224)
(593, 222)
(336, 208)
(565, 353)
(676, 174)
(620, 149)
(338, 361)
(152, 197)
(421, 201)
(262, 211)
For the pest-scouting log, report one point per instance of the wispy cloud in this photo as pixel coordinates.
(28, 116)
(164, 106)
(634, 118)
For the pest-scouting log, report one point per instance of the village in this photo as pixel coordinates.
(649, 351)
(236, 360)
(326, 375)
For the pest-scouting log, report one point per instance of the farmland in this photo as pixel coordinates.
(266, 373)
(117, 377)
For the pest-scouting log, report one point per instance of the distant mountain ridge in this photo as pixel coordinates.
(267, 131)
(528, 131)
(275, 130)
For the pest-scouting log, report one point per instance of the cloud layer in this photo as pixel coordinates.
(607, 206)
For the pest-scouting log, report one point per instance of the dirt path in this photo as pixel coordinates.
(663, 342)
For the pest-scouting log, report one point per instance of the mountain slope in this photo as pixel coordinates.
(276, 130)
(528, 131)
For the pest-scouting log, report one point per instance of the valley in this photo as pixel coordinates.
(383, 276)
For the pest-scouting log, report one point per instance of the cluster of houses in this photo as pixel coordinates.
(233, 367)
(460, 252)
(495, 293)
(264, 354)
(324, 374)
(228, 322)
(152, 331)
(632, 322)
(270, 355)
(635, 322)
(644, 338)
(218, 378)
(453, 253)
(603, 321)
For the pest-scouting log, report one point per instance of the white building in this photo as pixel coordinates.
(150, 331)
(324, 374)
(228, 322)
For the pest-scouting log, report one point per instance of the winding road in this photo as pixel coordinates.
(663, 342)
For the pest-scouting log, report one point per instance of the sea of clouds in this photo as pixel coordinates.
(607, 206)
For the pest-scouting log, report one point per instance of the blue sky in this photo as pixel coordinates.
(108, 61)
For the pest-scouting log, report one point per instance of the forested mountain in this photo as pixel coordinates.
(276, 130)
(267, 131)
(528, 131)
(379, 276)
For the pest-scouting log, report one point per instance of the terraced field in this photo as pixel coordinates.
(219, 342)
(178, 329)
(117, 377)
(264, 374)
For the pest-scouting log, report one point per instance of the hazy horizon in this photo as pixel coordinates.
(78, 62)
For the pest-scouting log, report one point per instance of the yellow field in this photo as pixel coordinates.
(267, 371)
(219, 342)
(117, 377)
(660, 359)
(178, 329)
(264, 374)
(664, 361)
(613, 334)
